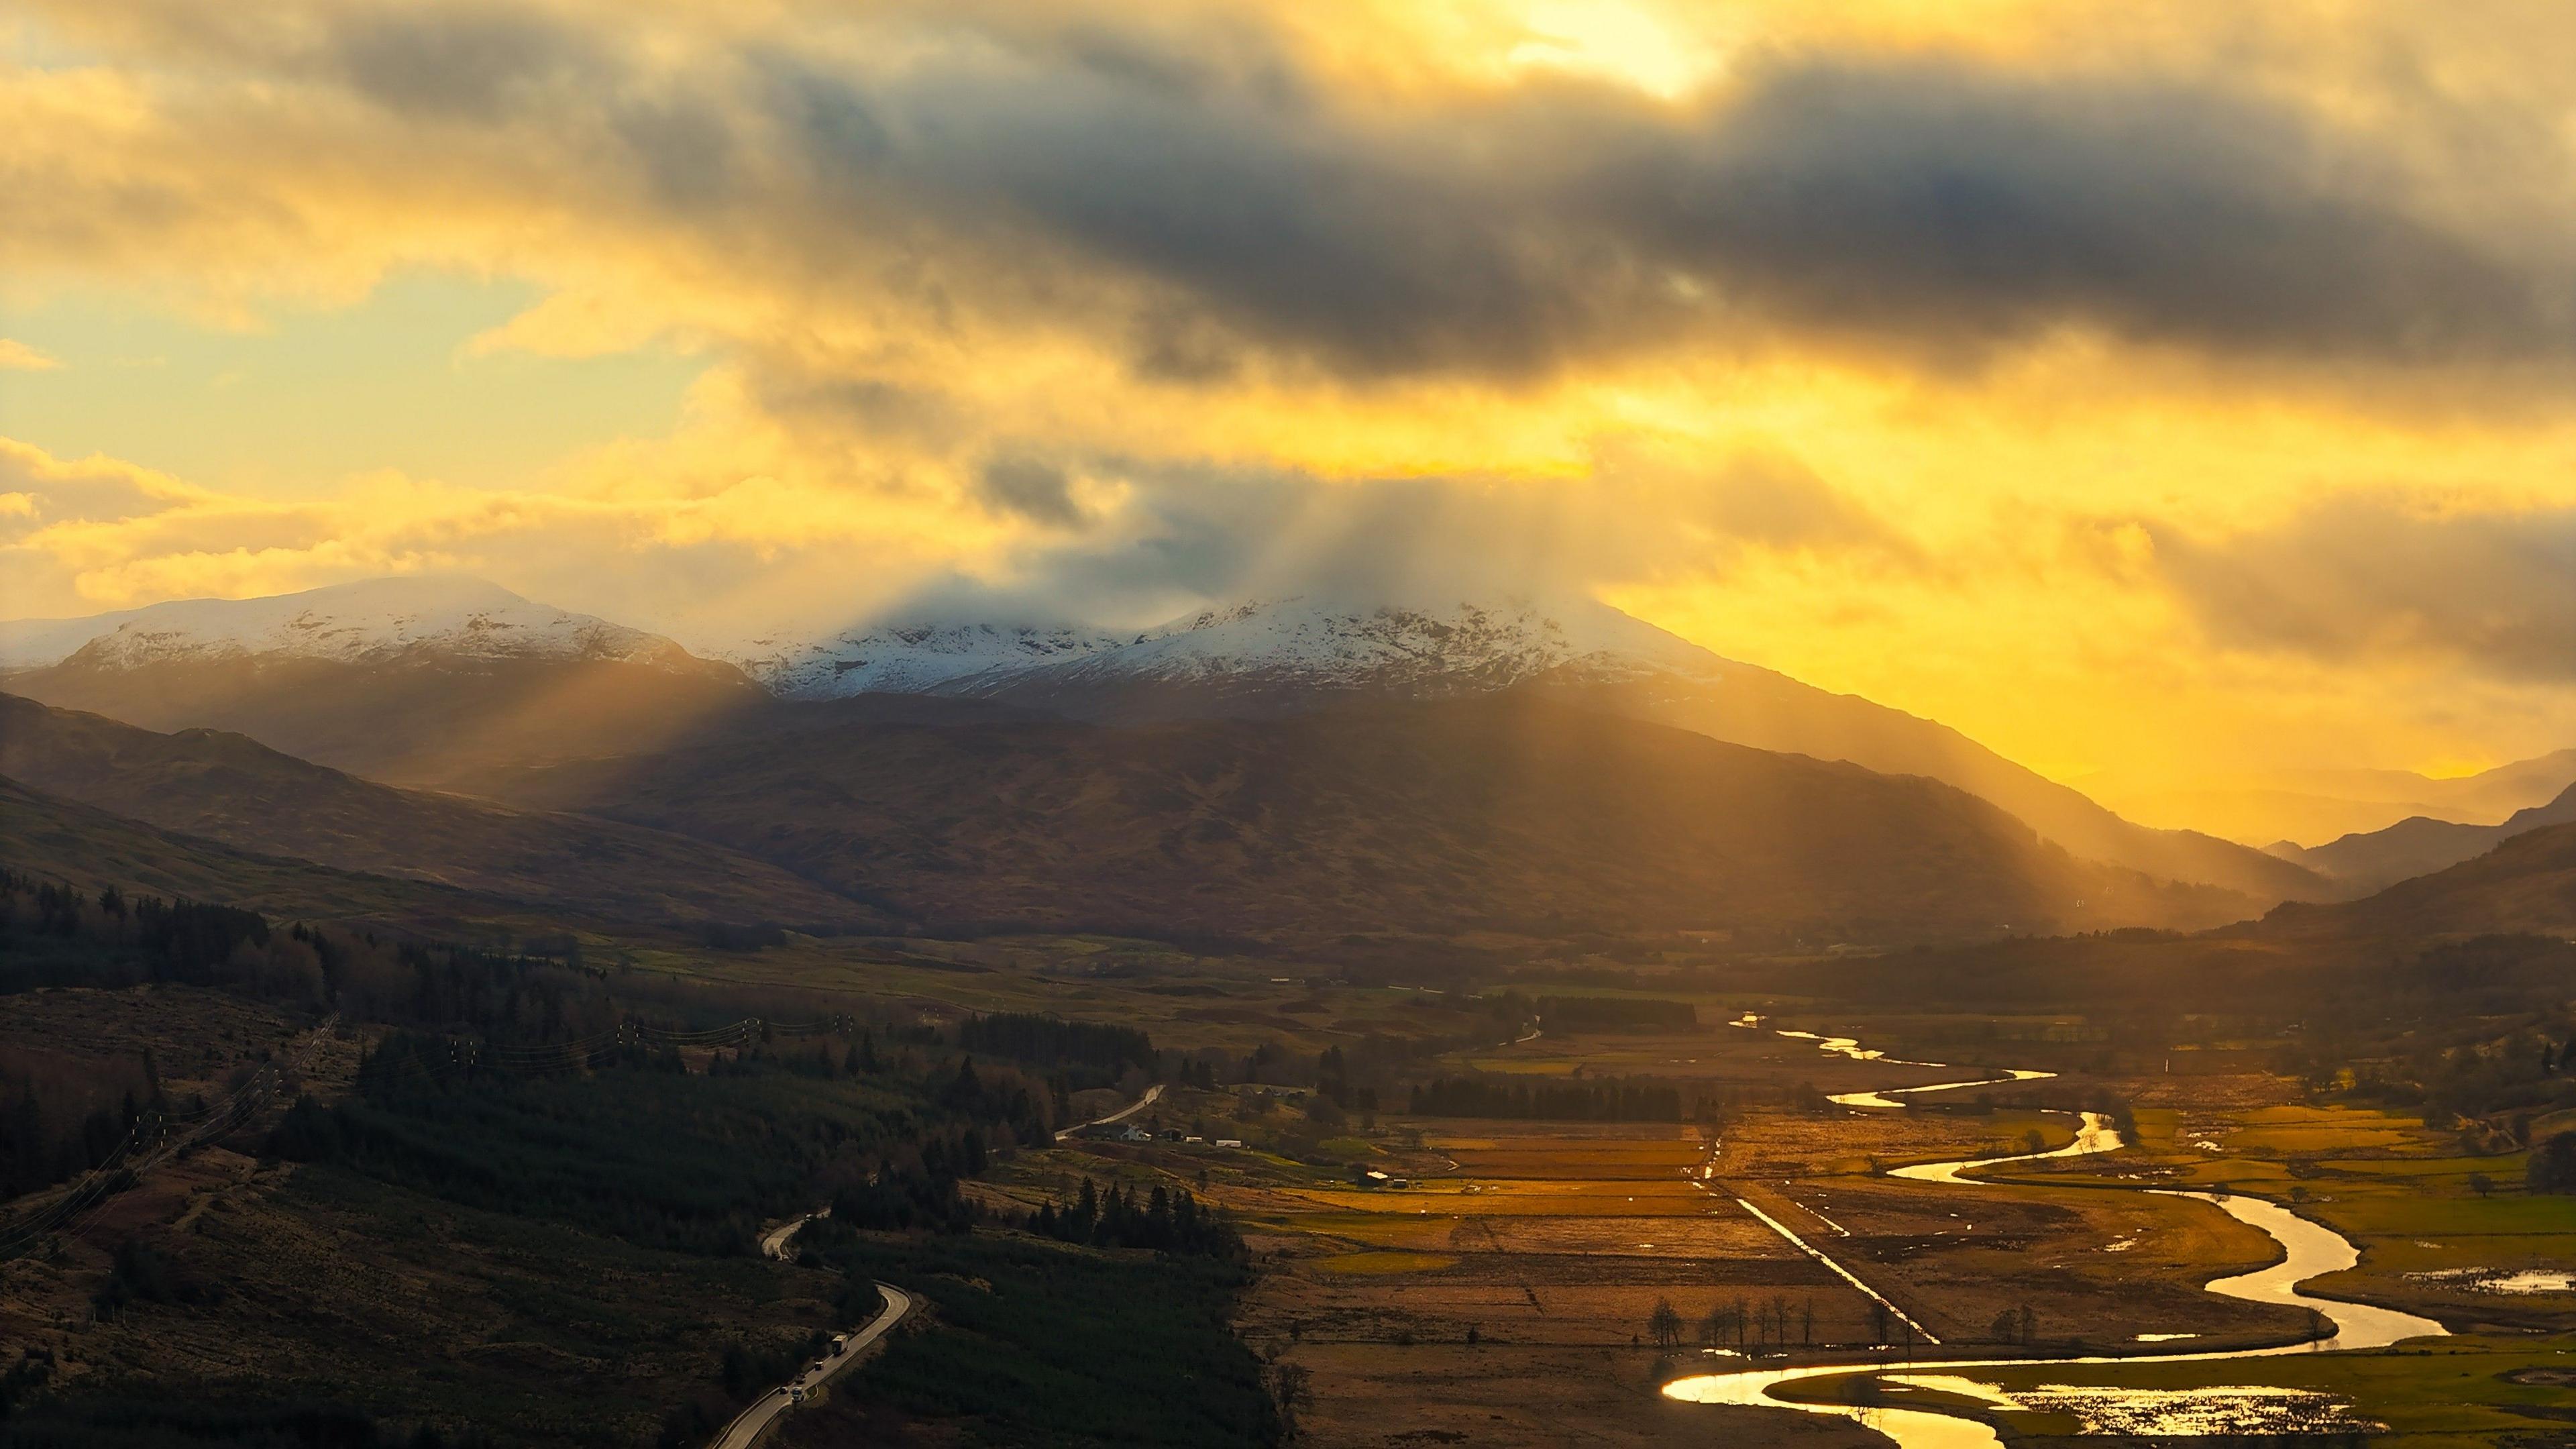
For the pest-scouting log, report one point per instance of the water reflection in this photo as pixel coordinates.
(2308, 1250)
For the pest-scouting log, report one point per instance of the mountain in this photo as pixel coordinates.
(1494, 812)
(909, 659)
(2420, 846)
(56, 839)
(1250, 659)
(235, 791)
(2317, 805)
(1281, 657)
(444, 682)
(2525, 885)
(371, 620)
(408, 680)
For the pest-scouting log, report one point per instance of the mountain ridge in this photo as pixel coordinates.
(1265, 659)
(464, 717)
(241, 794)
(1498, 811)
(2420, 845)
(368, 620)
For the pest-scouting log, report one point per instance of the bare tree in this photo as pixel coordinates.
(1665, 1324)
(1289, 1393)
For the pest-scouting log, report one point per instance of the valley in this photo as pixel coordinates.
(1467, 1064)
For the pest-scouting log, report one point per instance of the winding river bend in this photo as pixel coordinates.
(2309, 1249)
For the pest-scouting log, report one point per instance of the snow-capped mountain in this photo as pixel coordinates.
(910, 659)
(371, 621)
(1299, 644)
(1262, 660)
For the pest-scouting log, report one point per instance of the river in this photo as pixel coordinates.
(2308, 1249)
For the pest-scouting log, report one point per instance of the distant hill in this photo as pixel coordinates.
(2419, 846)
(1501, 812)
(233, 790)
(370, 620)
(56, 839)
(410, 681)
(1769, 711)
(2525, 885)
(2321, 804)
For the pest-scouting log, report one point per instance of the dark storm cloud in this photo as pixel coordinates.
(477, 65)
(1035, 490)
(1955, 204)
(2494, 590)
(1200, 199)
(1934, 205)
(685, 149)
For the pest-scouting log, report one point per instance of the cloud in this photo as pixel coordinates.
(18, 356)
(1934, 203)
(1185, 536)
(2363, 580)
(1108, 540)
(1817, 349)
(459, 63)
(1951, 202)
(1190, 193)
(1037, 491)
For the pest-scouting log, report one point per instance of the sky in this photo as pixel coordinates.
(2159, 392)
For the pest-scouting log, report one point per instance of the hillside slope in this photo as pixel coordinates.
(2421, 846)
(1493, 812)
(240, 793)
(2526, 885)
(421, 719)
(54, 839)
(407, 680)
(1768, 711)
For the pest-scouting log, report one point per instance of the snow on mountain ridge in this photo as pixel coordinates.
(909, 658)
(1493, 644)
(368, 621)
(1293, 642)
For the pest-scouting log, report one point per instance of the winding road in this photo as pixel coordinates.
(2308, 1248)
(761, 1414)
(1152, 1095)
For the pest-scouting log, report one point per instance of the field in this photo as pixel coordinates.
(1500, 1286)
(1507, 1292)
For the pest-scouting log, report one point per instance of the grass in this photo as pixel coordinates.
(2458, 1391)
(1375, 1264)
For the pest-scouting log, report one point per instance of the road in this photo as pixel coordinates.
(1152, 1094)
(752, 1422)
(775, 1245)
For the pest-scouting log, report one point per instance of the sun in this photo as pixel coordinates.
(1613, 40)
